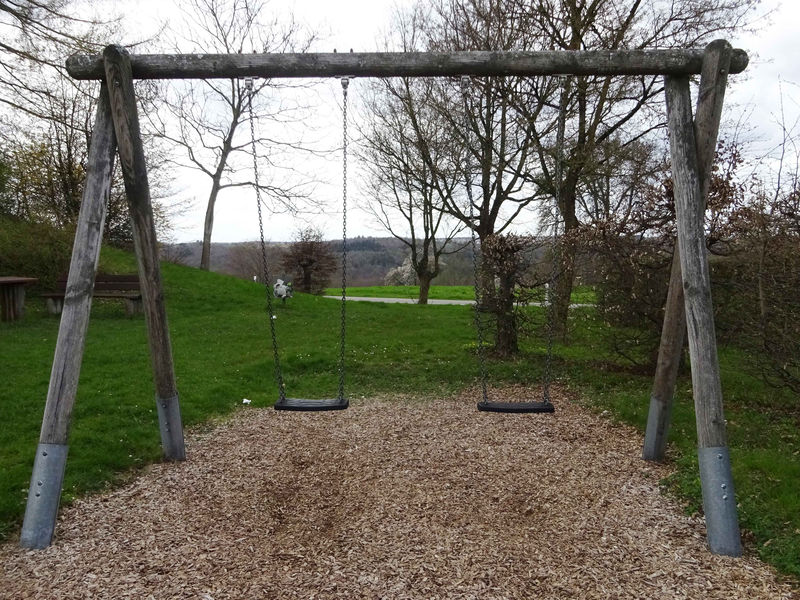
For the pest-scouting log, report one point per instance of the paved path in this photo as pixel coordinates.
(432, 301)
(401, 300)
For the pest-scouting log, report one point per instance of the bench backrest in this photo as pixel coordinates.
(108, 283)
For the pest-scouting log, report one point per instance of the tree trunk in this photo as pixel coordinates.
(424, 287)
(562, 290)
(485, 283)
(567, 251)
(505, 342)
(205, 258)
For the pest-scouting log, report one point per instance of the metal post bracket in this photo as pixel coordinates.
(170, 426)
(719, 501)
(44, 495)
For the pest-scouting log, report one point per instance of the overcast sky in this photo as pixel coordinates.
(752, 98)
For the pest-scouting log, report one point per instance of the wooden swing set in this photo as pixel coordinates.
(693, 139)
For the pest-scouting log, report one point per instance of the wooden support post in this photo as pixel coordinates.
(713, 79)
(134, 173)
(719, 501)
(51, 453)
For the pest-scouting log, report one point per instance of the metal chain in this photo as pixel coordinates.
(278, 371)
(345, 83)
(555, 251)
(475, 269)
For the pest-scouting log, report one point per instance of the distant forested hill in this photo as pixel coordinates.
(368, 260)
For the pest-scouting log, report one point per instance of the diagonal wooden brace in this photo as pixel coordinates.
(51, 455)
(137, 189)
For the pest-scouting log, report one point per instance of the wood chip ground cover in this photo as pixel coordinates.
(391, 499)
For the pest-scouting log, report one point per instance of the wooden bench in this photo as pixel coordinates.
(125, 287)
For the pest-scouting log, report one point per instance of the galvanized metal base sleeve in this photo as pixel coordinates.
(655, 437)
(171, 428)
(44, 495)
(719, 502)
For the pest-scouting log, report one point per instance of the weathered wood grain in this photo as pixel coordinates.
(83, 268)
(673, 331)
(406, 64)
(134, 172)
(694, 266)
(713, 81)
(711, 96)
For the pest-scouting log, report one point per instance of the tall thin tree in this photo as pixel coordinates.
(204, 119)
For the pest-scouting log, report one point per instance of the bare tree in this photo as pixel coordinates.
(411, 174)
(759, 233)
(512, 121)
(433, 139)
(36, 37)
(610, 116)
(245, 261)
(493, 127)
(48, 117)
(204, 119)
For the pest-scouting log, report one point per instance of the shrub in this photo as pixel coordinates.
(30, 249)
(34, 250)
(634, 277)
(756, 301)
(310, 260)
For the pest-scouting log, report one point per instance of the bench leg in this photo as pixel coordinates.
(133, 306)
(6, 303)
(55, 305)
(19, 301)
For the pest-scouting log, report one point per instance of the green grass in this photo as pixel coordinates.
(582, 295)
(221, 344)
(763, 436)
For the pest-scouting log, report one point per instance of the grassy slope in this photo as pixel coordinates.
(222, 353)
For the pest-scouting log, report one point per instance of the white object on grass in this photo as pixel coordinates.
(282, 290)
(245, 401)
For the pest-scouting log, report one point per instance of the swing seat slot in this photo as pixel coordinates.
(516, 407)
(312, 405)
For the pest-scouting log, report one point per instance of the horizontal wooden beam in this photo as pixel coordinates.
(407, 64)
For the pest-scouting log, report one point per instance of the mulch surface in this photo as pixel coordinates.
(391, 499)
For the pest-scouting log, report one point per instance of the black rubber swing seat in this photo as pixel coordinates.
(516, 407)
(312, 405)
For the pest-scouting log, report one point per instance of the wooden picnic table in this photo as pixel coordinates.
(12, 297)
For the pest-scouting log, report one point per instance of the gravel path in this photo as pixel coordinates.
(401, 499)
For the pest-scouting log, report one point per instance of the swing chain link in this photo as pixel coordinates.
(555, 254)
(345, 83)
(278, 371)
(465, 82)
